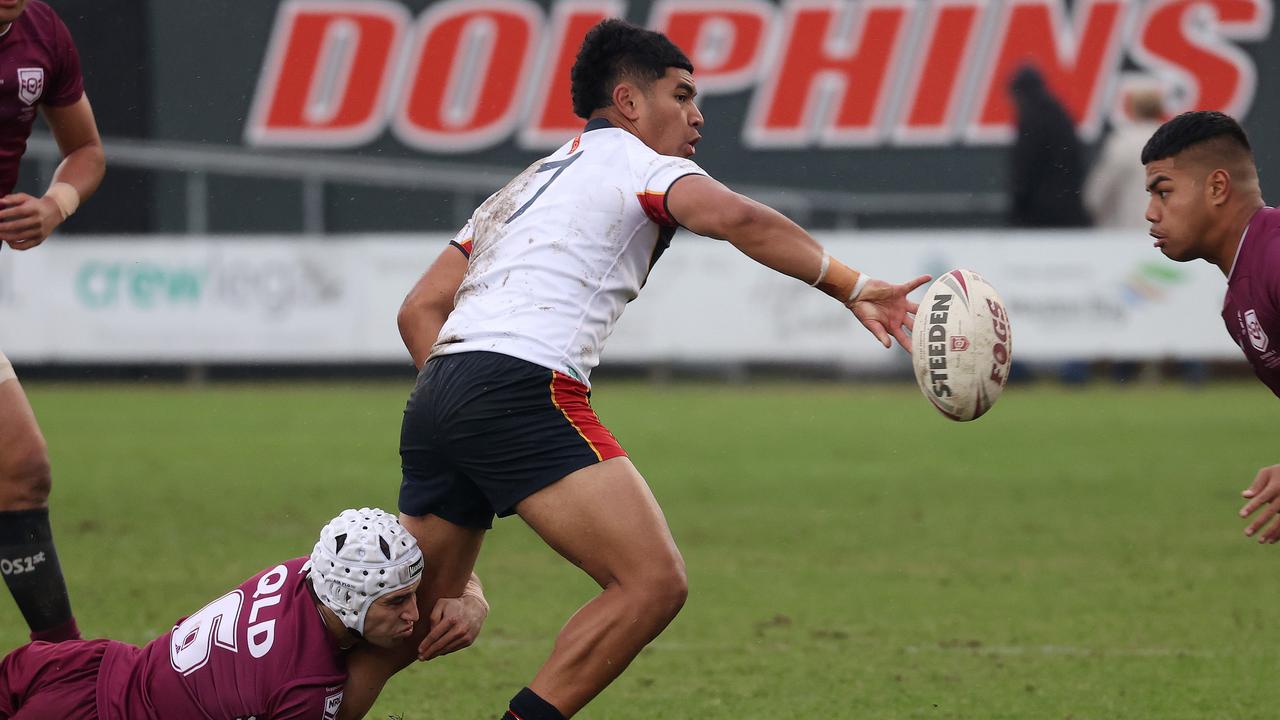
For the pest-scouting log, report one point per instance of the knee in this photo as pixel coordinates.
(664, 589)
(25, 477)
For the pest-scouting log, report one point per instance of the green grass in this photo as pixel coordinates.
(851, 554)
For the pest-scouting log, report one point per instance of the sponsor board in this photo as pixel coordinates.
(215, 299)
(465, 75)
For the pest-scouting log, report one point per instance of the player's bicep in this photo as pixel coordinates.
(707, 207)
(439, 284)
(73, 125)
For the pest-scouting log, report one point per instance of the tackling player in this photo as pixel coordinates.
(39, 69)
(278, 647)
(1206, 203)
(509, 321)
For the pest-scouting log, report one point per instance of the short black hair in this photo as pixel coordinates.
(1194, 128)
(615, 49)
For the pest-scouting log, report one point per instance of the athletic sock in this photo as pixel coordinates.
(30, 568)
(526, 705)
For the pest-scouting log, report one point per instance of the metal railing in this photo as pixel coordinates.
(468, 183)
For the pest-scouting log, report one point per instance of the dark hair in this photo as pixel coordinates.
(1193, 128)
(615, 49)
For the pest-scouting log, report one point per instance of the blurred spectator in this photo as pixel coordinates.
(1047, 171)
(1115, 193)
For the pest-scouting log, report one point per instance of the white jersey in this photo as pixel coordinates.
(556, 255)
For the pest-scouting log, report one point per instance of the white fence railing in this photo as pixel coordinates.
(468, 183)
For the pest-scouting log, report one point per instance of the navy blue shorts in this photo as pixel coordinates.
(483, 431)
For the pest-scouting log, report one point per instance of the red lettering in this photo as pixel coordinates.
(1000, 353)
(327, 72)
(947, 55)
(822, 64)
(465, 70)
(1182, 41)
(996, 375)
(553, 121)
(1075, 64)
(724, 40)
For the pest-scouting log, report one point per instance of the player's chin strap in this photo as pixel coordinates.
(840, 281)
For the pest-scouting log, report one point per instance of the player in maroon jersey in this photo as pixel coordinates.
(278, 647)
(1206, 203)
(39, 69)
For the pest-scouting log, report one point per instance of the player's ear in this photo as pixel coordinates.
(1217, 186)
(627, 98)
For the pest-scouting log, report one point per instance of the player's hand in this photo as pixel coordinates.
(26, 221)
(455, 624)
(884, 309)
(1265, 490)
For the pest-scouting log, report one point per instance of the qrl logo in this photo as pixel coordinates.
(470, 74)
(30, 84)
(1000, 350)
(1257, 336)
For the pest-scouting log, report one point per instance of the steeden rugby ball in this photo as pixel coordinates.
(962, 345)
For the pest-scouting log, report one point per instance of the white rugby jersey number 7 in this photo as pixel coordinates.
(552, 264)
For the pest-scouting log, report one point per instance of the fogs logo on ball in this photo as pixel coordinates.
(471, 74)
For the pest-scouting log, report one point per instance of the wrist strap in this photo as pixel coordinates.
(65, 196)
(858, 287)
(822, 271)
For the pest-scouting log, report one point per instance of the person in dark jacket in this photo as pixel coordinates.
(1048, 169)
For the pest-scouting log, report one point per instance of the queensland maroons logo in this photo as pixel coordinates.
(1257, 336)
(30, 84)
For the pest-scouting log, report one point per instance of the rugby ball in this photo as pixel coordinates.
(962, 345)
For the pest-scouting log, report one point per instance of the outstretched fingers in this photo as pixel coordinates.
(911, 285)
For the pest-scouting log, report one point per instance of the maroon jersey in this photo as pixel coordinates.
(38, 65)
(261, 651)
(1252, 306)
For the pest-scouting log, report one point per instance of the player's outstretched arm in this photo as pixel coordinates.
(455, 622)
(26, 221)
(455, 625)
(707, 207)
(429, 303)
(1264, 495)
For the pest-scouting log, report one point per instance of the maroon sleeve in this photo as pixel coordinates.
(67, 83)
(308, 699)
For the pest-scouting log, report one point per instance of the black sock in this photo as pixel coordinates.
(526, 705)
(30, 568)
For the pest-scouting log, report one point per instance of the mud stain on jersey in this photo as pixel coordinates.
(488, 224)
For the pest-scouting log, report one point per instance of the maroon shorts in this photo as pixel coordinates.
(47, 681)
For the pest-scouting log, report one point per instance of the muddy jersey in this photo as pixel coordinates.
(555, 256)
(260, 652)
(1251, 309)
(39, 65)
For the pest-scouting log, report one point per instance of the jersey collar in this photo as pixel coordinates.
(597, 124)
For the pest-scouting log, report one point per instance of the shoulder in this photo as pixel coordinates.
(43, 17)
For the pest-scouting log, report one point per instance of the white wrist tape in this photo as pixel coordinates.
(65, 196)
(822, 272)
(858, 286)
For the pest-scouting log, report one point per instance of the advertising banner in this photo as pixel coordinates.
(874, 96)
(275, 299)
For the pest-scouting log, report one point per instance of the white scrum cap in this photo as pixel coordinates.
(361, 556)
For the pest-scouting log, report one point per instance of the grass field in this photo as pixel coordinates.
(851, 553)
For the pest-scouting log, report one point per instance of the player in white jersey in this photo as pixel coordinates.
(509, 321)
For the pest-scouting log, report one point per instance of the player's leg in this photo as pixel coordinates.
(28, 560)
(41, 681)
(604, 519)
